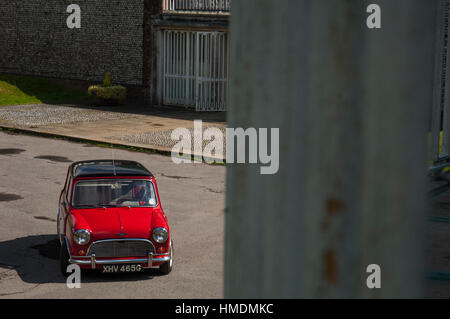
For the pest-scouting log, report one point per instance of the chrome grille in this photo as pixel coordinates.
(121, 248)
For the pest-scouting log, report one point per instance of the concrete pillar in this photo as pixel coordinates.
(351, 104)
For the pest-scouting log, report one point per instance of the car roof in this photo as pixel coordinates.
(108, 168)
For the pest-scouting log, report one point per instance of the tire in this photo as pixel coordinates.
(58, 236)
(166, 268)
(64, 259)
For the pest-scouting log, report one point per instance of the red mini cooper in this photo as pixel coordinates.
(110, 218)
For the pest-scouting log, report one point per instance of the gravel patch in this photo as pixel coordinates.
(44, 114)
(162, 138)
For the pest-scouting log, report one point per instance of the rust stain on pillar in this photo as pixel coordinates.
(331, 271)
(334, 206)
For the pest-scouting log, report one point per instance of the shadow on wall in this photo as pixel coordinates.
(36, 260)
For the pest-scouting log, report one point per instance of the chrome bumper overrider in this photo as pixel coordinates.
(94, 262)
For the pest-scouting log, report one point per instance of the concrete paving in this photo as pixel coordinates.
(32, 172)
(147, 128)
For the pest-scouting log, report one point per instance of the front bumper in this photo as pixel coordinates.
(152, 260)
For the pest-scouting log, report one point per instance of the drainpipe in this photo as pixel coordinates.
(150, 54)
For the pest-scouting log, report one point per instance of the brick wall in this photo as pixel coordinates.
(35, 40)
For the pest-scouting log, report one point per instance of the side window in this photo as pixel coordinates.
(69, 183)
(67, 180)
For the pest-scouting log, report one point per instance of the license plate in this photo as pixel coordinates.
(111, 269)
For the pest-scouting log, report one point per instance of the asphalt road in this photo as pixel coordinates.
(32, 172)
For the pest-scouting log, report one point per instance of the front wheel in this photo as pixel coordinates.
(64, 259)
(166, 268)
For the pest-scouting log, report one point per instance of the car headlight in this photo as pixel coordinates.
(160, 235)
(82, 237)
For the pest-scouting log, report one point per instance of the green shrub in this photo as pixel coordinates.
(107, 80)
(114, 94)
(107, 93)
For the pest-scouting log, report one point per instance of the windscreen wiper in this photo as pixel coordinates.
(87, 206)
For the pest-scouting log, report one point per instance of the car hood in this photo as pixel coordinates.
(112, 223)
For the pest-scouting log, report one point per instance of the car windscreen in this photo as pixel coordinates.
(114, 193)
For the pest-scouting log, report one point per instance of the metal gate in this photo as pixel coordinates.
(197, 6)
(195, 69)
